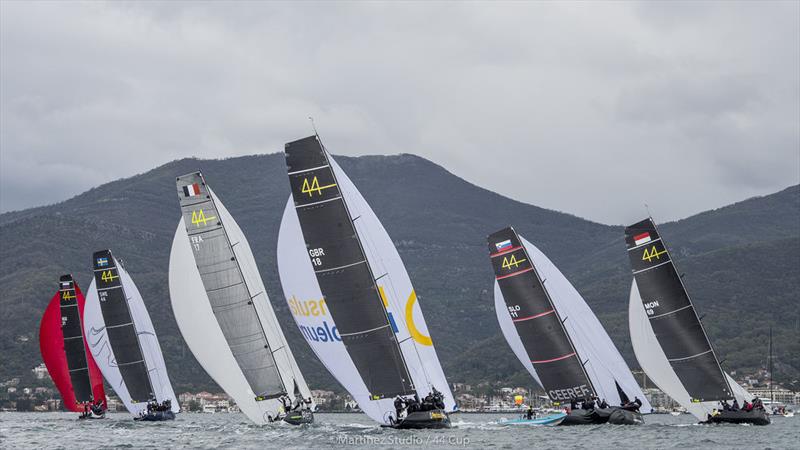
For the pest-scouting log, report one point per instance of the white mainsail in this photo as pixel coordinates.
(308, 307)
(99, 345)
(655, 364)
(201, 330)
(602, 361)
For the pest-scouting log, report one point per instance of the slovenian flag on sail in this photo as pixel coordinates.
(640, 239)
(503, 245)
(190, 190)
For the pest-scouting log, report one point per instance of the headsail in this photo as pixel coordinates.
(122, 339)
(672, 316)
(348, 289)
(64, 350)
(536, 286)
(234, 333)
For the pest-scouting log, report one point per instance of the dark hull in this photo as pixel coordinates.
(92, 416)
(299, 417)
(599, 416)
(419, 420)
(157, 416)
(621, 416)
(755, 417)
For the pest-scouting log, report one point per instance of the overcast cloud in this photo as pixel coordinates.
(586, 108)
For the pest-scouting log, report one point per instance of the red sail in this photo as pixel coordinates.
(51, 344)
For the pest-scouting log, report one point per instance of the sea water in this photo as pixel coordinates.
(196, 430)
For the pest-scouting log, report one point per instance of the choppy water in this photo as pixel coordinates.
(62, 430)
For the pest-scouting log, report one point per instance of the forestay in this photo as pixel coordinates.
(348, 288)
(222, 308)
(122, 339)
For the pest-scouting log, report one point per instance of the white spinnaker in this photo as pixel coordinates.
(393, 280)
(654, 362)
(95, 330)
(510, 332)
(201, 330)
(603, 362)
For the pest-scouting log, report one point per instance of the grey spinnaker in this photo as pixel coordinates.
(344, 274)
(672, 316)
(120, 327)
(230, 297)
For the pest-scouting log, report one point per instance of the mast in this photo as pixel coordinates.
(769, 368)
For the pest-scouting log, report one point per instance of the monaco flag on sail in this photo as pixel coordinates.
(190, 190)
(640, 239)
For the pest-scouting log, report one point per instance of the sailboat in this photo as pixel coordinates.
(123, 342)
(352, 298)
(66, 356)
(668, 337)
(558, 339)
(224, 314)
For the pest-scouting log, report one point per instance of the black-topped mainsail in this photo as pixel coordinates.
(229, 295)
(538, 323)
(74, 346)
(120, 327)
(672, 316)
(344, 275)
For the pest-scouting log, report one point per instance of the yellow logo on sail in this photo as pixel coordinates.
(508, 263)
(310, 188)
(107, 276)
(199, 218)
(651, 253)
(412, 328)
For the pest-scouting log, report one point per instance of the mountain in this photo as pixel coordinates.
(742, 262)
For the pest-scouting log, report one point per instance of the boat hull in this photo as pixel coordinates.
(158, 416)
(302, 417)
(550, 420)
(621, 416)
(599, 416)
(418, 420)
(755, 417)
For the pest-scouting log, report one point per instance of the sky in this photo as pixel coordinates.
(588, 108)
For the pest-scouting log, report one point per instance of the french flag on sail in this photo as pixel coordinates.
(503, 245)
(640, 239)
(190, 190)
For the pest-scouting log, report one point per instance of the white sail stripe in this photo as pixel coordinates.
(109, 288)
(319, 202)
(341, 267)
(365, 331)
(652, 267)
(646, 243)
(689, 357)
(131, 363)
(73, 337)
(308, 170)
(671, 312)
